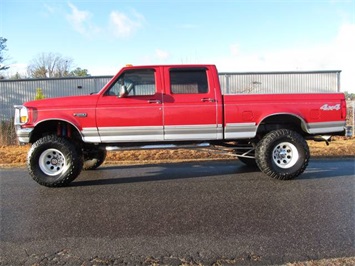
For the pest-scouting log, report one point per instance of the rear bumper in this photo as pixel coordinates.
(327, 138)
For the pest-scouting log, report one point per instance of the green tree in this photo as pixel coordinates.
(79, 72)
(39, 94)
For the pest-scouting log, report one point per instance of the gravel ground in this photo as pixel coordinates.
(64, 257)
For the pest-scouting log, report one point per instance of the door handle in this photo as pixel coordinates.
(154, 101)
(208, 100)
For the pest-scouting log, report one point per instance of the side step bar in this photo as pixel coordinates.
(241, 151)
(157, 146)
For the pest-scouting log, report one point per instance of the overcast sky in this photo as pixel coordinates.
(240, 35)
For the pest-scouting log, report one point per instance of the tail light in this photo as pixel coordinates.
(343, 109)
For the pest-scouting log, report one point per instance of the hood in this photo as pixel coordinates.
(64, 102)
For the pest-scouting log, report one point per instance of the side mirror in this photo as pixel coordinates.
(123, 92)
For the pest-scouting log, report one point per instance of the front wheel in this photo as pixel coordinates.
(282, 154)
(54, 161)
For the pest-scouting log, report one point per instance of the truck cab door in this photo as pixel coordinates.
(192, 106)
(130, 110)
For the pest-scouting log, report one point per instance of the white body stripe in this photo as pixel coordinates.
(91, 135)
(193, 132)
(190, 132)
(240, 130)
(325, 127)
(131, 134)
(152, 133)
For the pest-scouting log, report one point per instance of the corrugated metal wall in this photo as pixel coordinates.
(280, 82)
(14, 92)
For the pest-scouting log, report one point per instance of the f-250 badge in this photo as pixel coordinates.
(327, 107)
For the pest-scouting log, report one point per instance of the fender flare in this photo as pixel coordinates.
(71, 122)
(303, 123)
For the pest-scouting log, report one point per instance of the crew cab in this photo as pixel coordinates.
(173, 106)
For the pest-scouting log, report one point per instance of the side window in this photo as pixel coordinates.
(188, 81)
(139, 82)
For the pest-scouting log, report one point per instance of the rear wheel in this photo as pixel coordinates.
(93, 158)
(282, 154)
(54, 161)
(245, 152)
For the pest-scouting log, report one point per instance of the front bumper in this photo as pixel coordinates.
(23, 134)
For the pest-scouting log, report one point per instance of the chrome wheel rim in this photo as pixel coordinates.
(52, 162)
(285, 155)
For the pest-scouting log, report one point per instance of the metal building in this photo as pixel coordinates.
(15, 92)
(280, 82)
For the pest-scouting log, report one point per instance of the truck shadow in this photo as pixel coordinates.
(329, 168)
(160, 172)
(125, 174)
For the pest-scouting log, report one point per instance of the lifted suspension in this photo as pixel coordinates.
(64, 130)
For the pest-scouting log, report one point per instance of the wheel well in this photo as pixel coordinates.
(57, 127)
(281, 121)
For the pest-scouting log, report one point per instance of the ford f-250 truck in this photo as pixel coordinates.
(174, 106)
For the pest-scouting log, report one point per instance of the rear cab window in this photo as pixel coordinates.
(188, 81)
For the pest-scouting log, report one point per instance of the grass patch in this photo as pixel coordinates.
(7, 133)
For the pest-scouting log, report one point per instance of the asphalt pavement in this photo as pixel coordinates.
(218, 212)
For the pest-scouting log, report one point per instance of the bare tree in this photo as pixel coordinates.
(49, 65)
(2, 57)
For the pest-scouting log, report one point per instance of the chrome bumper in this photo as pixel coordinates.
(23, 134)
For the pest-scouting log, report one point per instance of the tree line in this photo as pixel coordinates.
(44, 65)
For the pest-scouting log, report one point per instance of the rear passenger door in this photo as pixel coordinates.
(190, 105)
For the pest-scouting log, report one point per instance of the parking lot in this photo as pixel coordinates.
(200, 212)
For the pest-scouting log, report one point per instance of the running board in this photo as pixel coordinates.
(158, 147)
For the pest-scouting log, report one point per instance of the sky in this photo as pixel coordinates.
(236, 35)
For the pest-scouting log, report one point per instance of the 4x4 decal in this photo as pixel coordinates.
(327, 107)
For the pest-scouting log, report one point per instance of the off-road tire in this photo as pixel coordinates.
(54, 161)
(282, 154)
(93, 158)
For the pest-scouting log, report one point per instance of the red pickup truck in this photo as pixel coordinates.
(174, 106)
